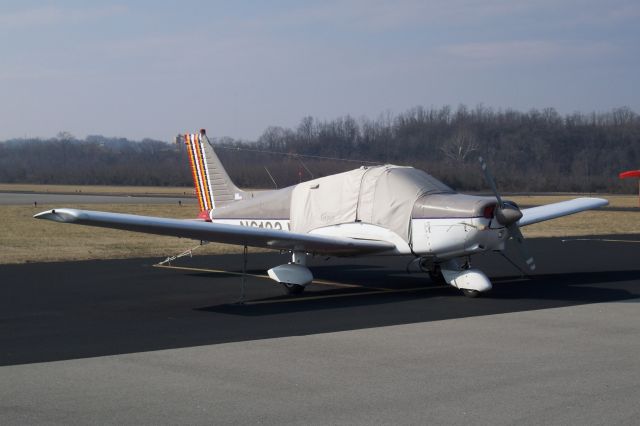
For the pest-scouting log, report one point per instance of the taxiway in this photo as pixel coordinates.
(130, 342)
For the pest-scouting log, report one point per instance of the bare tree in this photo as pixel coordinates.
(460, 145)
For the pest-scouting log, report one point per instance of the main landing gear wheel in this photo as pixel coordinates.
(470, 293)
(293, 289)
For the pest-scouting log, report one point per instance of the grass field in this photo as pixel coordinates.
(98, 189)
(598, 222)
(24, 239)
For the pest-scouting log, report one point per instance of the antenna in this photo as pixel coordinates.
(306, 168)
(272, 179)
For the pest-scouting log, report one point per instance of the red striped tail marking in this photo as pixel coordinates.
(201, 179)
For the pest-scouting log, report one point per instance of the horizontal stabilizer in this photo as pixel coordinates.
(221, 233)
(563, 208)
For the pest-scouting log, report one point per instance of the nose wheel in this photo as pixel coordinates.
(434, 271)
(460, 274)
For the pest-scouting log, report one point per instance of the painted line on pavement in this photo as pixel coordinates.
(334, 296)
(264, 276)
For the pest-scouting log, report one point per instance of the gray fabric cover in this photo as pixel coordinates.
(382, 195)
(325, 201)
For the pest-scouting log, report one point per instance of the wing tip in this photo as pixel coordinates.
(601, 202)
(58, 215)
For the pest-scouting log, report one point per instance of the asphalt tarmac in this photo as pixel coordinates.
(55, 311)
(367, 342)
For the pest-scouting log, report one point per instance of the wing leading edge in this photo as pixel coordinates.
(216, 232)
(563, 208)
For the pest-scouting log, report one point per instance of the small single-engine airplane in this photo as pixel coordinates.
(380, 210)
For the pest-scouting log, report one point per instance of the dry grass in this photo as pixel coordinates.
(98, 189)
(24, 239)
(600, 222)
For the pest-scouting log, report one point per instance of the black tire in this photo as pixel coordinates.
(293, 289)
(470, 293)
(435, 274)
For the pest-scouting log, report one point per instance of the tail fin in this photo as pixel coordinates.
(213, 185)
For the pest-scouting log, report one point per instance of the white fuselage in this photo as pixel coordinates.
(439, 238)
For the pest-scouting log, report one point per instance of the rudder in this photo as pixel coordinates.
(213, 186)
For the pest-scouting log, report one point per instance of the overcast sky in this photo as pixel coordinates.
(156, 68)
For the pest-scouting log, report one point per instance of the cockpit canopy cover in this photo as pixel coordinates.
(381, 195)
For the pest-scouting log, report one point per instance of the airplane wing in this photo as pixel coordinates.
(216, 232)
(555, 210)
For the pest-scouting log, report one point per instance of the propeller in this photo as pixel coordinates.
(508, 215)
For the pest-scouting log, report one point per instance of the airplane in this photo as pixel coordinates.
(383, 210)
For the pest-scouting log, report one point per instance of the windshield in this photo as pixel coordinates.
(420, 179)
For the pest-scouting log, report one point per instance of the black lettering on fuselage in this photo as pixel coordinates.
(266, 224)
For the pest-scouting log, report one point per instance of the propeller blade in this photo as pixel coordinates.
(514, 232)
(508, 215)
(489, 179)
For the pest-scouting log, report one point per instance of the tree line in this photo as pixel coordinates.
(537, 150)
(95, 160)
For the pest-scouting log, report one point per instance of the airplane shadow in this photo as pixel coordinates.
(577, 286)
(510, 293)
(326, 272)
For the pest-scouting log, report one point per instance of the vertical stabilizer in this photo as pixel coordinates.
(213, 185)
